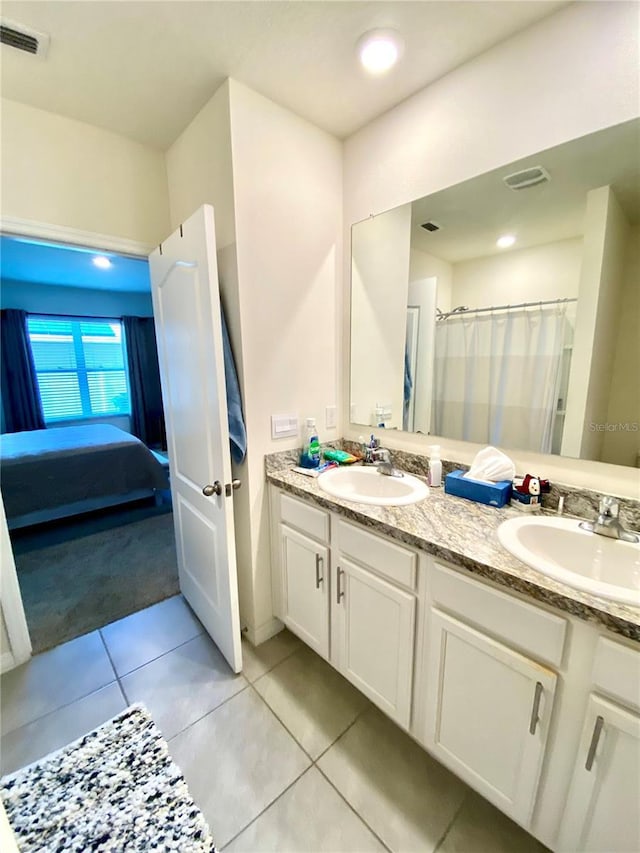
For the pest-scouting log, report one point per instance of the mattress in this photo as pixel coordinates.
(47, 468)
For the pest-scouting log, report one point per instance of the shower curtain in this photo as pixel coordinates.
(497, 377)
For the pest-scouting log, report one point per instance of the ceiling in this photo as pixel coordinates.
(144, 68)
(32, 261)
(473, 214)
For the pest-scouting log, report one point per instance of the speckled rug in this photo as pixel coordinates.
(115, 789)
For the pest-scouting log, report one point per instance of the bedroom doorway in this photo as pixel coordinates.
(91, 555)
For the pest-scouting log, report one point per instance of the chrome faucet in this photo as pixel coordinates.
(382, 458)
(608, 523)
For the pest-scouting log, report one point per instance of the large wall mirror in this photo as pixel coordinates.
(506, 310)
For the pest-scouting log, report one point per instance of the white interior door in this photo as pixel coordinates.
(15, 645)
(184, 283)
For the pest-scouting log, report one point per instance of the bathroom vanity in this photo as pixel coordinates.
(526, 689)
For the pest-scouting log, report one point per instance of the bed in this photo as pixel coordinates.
(53, 473)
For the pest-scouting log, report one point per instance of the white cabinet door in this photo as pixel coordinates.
(602, 807)
(376, 638)
(305, 589)
(487, 713)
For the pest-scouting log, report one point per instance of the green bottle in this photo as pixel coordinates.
(310, 456)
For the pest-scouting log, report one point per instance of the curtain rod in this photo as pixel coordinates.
(458, 312)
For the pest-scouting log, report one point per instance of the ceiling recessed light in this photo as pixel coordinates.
(101, 262)
(505, 241)
(379, 50)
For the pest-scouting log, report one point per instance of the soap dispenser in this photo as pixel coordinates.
(435, 467)
(310, 456)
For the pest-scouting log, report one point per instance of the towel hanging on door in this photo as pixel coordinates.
(237, 431)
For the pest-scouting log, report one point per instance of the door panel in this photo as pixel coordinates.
(602, 808)
(305, 568)
(186, 303)
(376, 638)
(488, 711)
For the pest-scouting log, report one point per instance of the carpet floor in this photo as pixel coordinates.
(79, 583)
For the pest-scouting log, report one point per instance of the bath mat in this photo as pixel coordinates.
(115, 789)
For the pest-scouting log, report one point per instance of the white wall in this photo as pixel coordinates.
(200, 171)
(379, 284)
(423, 265)
(604, 242)
(275, 182)
(423, 295)
(606, 236)
(573, 73)
(63, 172)
(80, 301)
(550, 271)
(622, 446)
(288, 195)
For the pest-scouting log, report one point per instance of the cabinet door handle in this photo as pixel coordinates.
(535, 711)
(319, 577)
(593, 746)
(339, 592)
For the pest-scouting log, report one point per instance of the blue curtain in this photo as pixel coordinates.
(21, 405)
(147, 414)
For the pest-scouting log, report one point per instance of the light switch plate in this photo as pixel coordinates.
(283, 426)
(330, 417)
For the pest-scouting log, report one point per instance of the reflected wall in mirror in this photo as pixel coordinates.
(531, 343)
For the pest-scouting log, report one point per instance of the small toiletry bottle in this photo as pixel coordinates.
(310, 456)
(435, 466)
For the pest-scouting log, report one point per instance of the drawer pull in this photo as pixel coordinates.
(339, 592)
(319, 577)
(535, 711)
(593, 746)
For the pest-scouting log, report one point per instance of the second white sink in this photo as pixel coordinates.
(561, 549)
(369, 486)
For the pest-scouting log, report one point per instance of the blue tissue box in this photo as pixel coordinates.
(494, 494)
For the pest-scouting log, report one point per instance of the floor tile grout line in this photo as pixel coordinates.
(61, 707)
(210, 711)
(115, 672)
(314, 764)
(342, 734)
(282, 660)
(267, 807)
(157, 657)
(451, 823)
(284, 726)
(352, 808)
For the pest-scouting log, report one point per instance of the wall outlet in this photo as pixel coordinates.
(283, 426)
(331, 417)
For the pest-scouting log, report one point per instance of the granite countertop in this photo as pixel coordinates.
(464, 533)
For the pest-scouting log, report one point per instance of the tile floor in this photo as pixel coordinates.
(287, 756)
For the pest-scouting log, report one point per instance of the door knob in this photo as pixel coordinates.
(216, 489)
(234, 484)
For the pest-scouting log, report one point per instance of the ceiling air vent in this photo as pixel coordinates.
(527, 178)
(24, 39)
(430, 226)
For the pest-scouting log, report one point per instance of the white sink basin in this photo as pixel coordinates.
(561, 549)
(369, 486)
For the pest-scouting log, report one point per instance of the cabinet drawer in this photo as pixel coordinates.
(519, 624)
(616, 671)
(304, 517)
(388, 559)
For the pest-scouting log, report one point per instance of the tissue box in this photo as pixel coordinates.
(494, 494)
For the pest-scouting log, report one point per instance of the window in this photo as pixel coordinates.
(80, 365)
